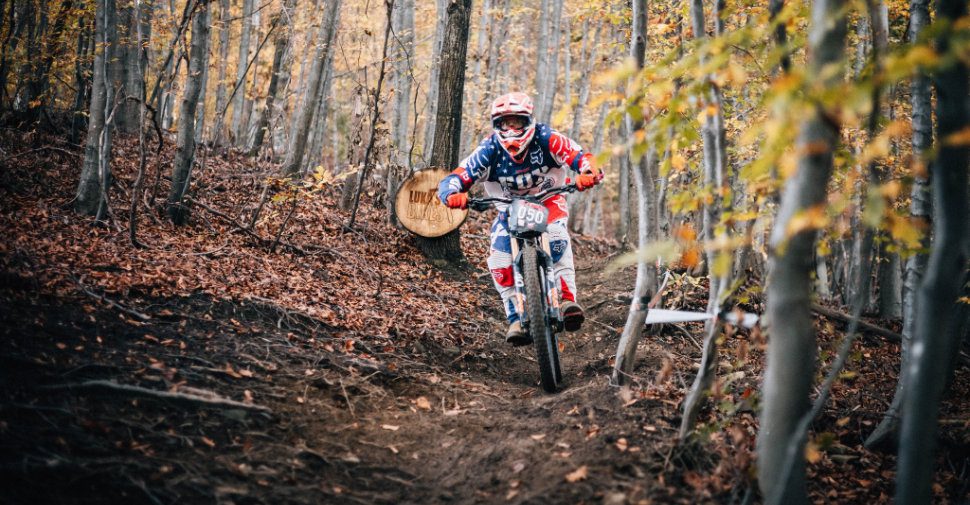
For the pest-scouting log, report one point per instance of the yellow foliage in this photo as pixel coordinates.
(958, 139)
(678, 161)
(813, 218)
(907, 231)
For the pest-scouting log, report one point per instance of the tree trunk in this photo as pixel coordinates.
(499, 34)
(623, 197)
(224, 20)
(95, 170)
(791, 348)
(318, 133)
(403, 75)
(715, 179)
(589, 55)
(471, 125)
(646, 274)
(28, 29)
(238, 101)
(15, 27)
(921, 210)
(548, 60)
(304, 115)
(284, 34)
(185, 152)
(129, 55)
(82, 79)
(933, 344)
(433, 84)
(52, 47)
(447, 137)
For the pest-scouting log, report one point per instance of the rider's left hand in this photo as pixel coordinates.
(587, 180)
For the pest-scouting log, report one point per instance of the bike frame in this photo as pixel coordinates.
(535, 237)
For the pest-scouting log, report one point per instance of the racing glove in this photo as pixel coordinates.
(457, 201)
(587, 180)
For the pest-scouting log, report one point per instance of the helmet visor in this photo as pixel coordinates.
(511, 126)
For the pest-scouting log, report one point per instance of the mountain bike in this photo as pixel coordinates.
(536, 296)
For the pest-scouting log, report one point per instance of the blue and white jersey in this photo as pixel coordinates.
(545, 166)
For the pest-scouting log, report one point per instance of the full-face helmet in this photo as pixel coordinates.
(513, 124)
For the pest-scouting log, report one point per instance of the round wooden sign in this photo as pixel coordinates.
(419, 209)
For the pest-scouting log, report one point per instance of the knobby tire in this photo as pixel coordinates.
(547, 352)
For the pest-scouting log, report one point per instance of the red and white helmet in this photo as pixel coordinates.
(515, 141)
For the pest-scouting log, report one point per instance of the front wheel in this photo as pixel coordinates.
(547, 351)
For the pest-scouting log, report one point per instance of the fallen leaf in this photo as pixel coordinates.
(578, 474)
(622, 445)
(208, 441)
(538, 436)
(423, 403)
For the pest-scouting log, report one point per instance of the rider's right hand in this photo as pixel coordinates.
(457, 201)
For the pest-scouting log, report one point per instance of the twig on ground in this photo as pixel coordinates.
(847, 319)
(126, 310)
(194, 397)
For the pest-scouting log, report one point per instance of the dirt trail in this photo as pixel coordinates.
(441, 425)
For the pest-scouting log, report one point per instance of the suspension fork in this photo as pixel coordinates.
(551, 289)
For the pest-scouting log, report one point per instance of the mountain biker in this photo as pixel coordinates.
(523, 157)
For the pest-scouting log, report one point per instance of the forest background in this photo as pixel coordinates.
(824, 143)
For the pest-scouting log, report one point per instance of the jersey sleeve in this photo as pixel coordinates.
(567, 152)
(469, 171)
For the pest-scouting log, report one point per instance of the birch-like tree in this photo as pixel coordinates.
(303, 116)
(792, 349)
(934, 343)
(185, 152)
(646, 275)
(920, 208)
(92, 191)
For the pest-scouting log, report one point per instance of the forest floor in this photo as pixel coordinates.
(361, 373)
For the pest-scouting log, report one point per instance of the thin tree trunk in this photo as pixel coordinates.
(433, 85)
(238, 101)
(362, 177)
(791, 349)
(53, 47)
(548, 60)
(95, 174)
(715, 178)
(933, 343)
(304, 115)
(82, 81)
(216, 136)
(10, 44)
(921, 210)
(474, 116)
(185, 152)
(319, 131)
(284, 35)
(403, 75)
(646, 275)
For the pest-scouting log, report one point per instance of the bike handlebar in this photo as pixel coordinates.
(482, 204)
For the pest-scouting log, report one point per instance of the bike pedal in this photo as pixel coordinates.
(573, 321)
(519, 340)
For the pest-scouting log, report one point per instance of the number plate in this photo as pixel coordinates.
(527, 217)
